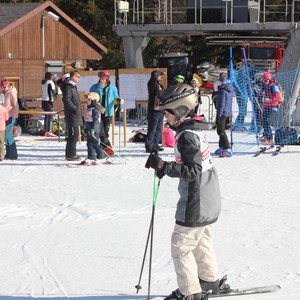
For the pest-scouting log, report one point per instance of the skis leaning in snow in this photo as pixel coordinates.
(233, 292)
(262, 150)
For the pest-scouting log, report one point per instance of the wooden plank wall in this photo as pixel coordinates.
(61, 43)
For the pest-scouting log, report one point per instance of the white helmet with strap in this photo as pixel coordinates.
(179, 100)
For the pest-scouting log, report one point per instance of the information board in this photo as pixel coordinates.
(133, 85)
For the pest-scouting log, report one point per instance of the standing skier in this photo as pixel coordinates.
(224, 110)
(199, 204)
(271, 100)
(93, 129)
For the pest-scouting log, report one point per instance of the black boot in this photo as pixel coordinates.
(207, 286)
(176, 295)
(217, 287)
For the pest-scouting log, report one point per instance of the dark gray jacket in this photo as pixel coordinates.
(200, 200)
(72, 106)
(155, 88)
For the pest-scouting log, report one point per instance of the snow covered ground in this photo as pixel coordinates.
(80, 233)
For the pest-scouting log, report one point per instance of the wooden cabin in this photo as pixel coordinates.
(39, 37)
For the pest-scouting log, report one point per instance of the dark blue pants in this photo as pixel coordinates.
(48, 120)
(93, 147)
(266, 122)
(242, 104)
(155, 122)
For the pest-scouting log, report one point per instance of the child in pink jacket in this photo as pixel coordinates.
(3, 118)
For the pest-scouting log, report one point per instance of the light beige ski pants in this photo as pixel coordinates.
(194, 257)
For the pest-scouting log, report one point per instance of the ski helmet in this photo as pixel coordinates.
(104, 74)
(179, 78)
(180, 99)
(267, 76)
(93, 96)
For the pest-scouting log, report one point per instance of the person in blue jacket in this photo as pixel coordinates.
(224, 110)
(109, 96)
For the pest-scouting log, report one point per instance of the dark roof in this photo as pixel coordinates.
(10, 12)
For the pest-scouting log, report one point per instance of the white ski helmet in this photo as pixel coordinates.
(179, 99)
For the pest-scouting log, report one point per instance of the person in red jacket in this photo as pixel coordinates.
(271, 101)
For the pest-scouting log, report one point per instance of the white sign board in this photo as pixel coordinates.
(133, 87)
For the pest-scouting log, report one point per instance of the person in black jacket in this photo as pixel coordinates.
(199, 204)
(155, 118)
(73, 114)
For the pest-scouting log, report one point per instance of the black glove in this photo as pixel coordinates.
(156, 163)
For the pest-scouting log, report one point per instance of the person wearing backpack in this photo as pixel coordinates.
(199, 204)
(93, 129)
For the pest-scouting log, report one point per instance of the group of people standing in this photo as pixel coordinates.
(267, 100)
(102, 97)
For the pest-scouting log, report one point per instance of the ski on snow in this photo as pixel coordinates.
(262, 150)
(233, 292)
(248, 291)
(88, 164)
(278, 150)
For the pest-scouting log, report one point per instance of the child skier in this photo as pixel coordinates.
(199, 204)
(93, 129)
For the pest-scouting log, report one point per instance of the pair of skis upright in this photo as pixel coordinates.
(263, 150)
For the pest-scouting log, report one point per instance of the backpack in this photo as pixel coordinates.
(286, 136)
(57, 128)
(139, 137)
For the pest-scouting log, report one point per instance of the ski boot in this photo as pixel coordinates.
(216, 287)
(218, 151)
(226, 153)
(176, 295)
